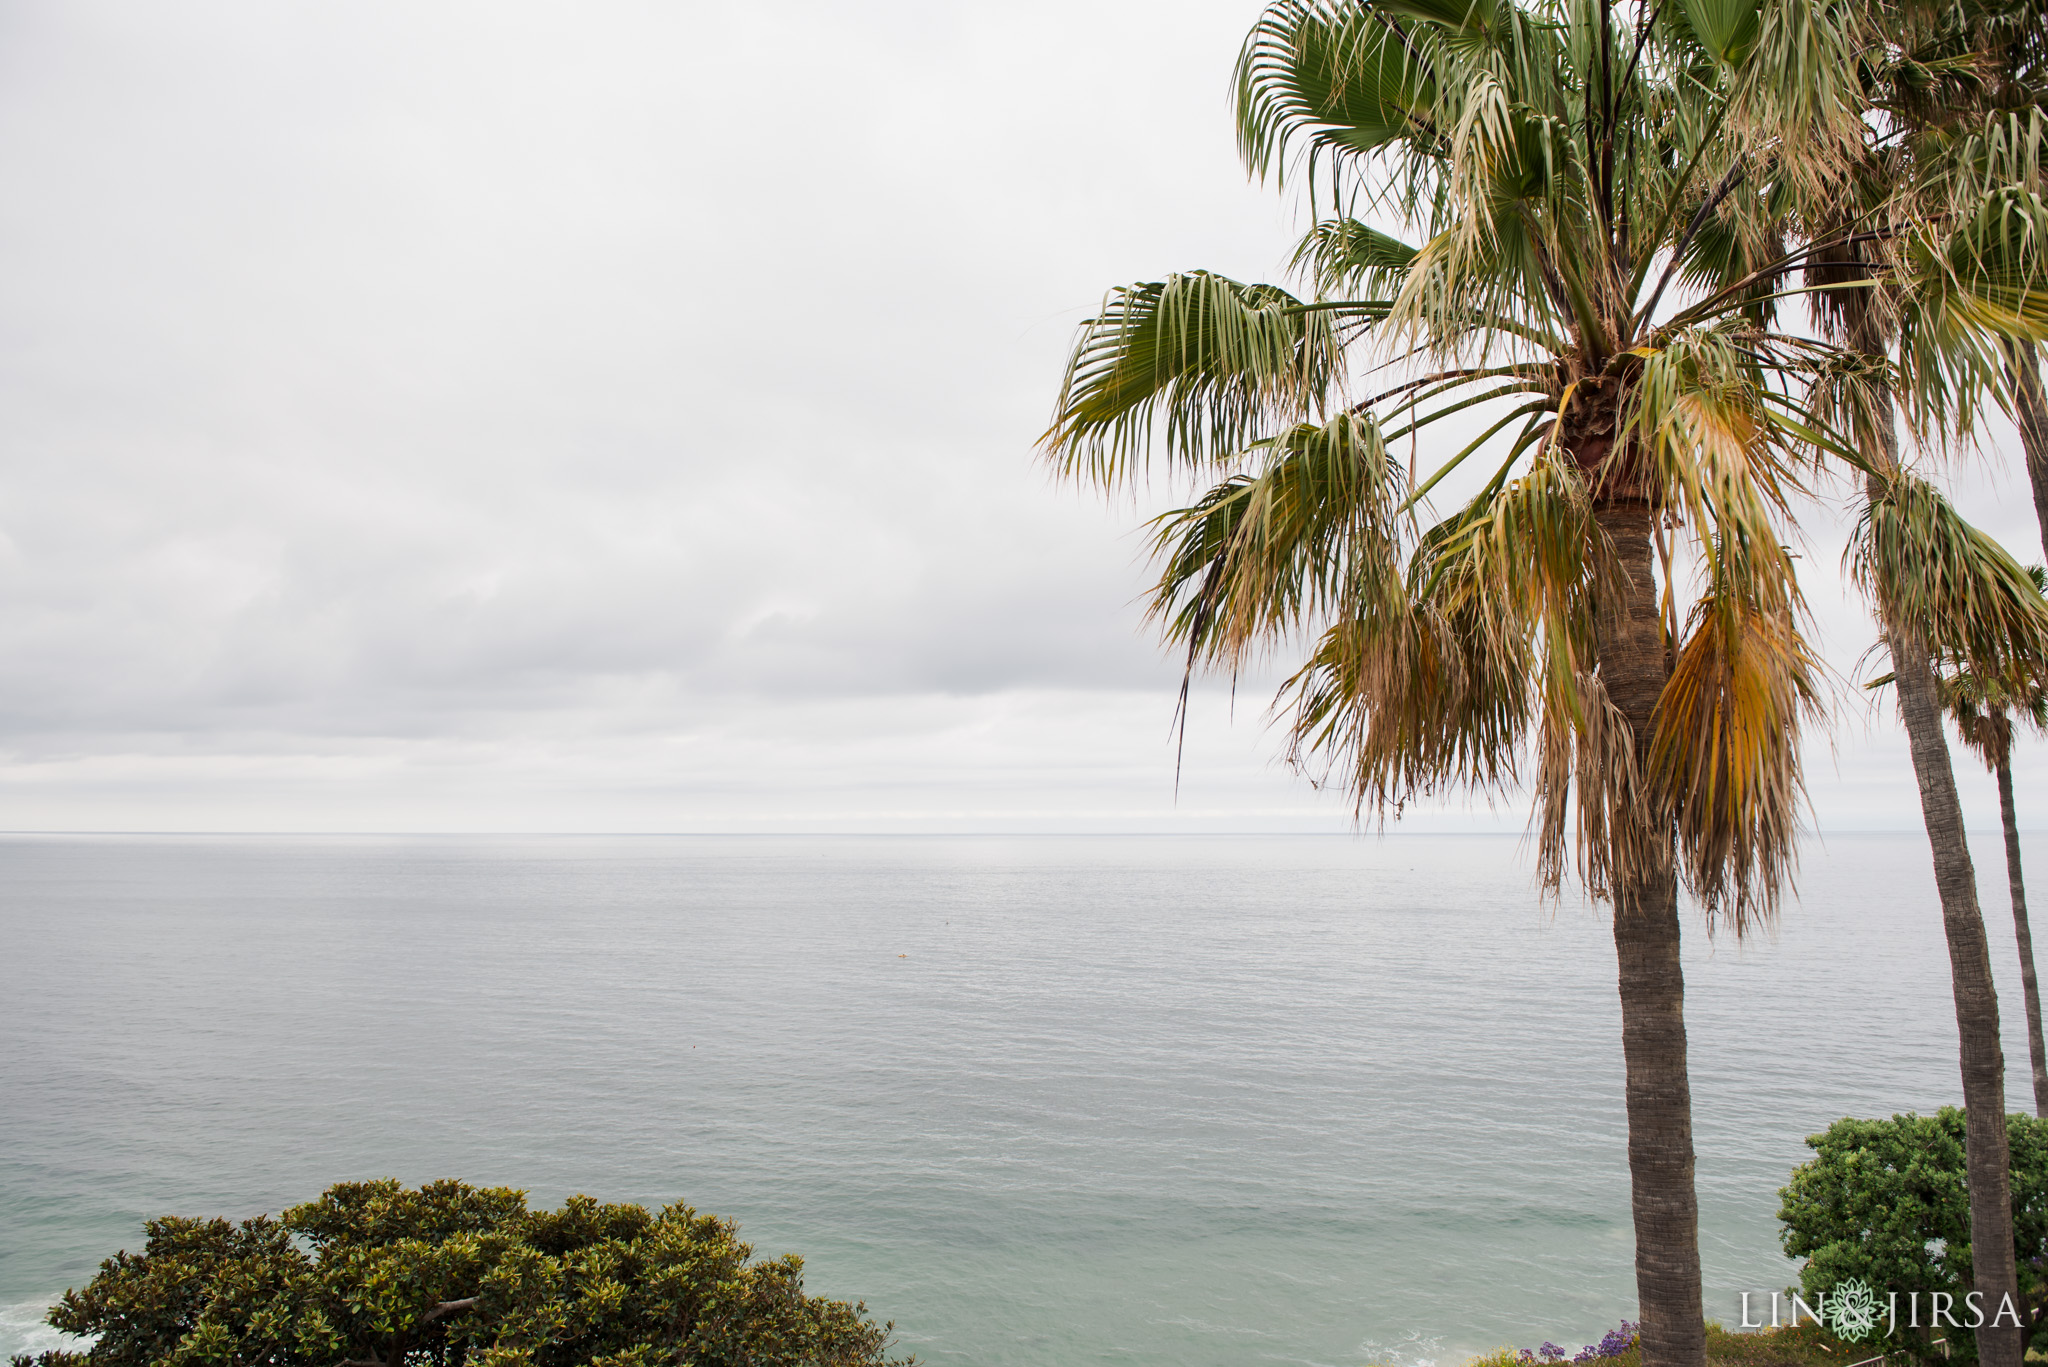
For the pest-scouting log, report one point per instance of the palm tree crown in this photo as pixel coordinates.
(1607, 214)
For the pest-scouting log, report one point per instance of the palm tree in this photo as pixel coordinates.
(1608, 207)
(2011, 39)
(1983, 711)
(1946, 152)
(1601, 201)
(1936, 580)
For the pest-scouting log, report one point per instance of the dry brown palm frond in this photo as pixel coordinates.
(1985, 728)
(1724, 757)
(1399, 702)
(1594, 814)
(1525, 568)
(1523, 561)
(1987, 710)
(1428, 685)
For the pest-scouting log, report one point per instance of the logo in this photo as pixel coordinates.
(1854, 1310)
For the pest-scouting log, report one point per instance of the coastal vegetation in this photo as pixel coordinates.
(1886, 1203)
(1597, 215)
(373, 1274)
(1807, 1345)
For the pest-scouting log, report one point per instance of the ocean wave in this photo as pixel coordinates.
(22, 1330)
(1411, 1350)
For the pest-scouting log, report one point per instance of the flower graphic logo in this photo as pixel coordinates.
(1853, 1310)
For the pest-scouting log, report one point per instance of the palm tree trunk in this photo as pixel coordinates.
(1633, 667)
(1985, 1154)
(2023, 934)
(2033, 424)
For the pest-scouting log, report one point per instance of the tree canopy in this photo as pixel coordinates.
(376, 1275)
(1886, 1202)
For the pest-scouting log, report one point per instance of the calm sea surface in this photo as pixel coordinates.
(1150, 1100)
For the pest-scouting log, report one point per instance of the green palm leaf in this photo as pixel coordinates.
(1950, 584)
(1222, 361)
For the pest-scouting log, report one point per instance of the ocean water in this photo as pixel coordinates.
(1135, 1100)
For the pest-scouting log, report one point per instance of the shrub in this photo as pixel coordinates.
(374, 1275)
(1885, 1202)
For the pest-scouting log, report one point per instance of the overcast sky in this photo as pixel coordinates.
(619, 416)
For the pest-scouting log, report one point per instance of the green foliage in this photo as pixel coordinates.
(1951, 583)
(1886, 1202)
(376, 1275)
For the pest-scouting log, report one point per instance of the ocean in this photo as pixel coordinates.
(1201, 1101)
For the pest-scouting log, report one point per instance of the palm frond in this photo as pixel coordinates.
(1264, 550)
(1428, 685)
(1981, 723)
(1222, 362)
(1346, 256)
(1732, 252)
(1986, 708)
(1719, 456)
(1970, 159)
(1344, 78)
(1401, 700)
(1949, 584)
(1594, 814)
(1987, 273)
(1725, 752)
(1797, 98)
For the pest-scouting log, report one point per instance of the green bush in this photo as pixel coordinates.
(1885, 1202)
(374, 1275)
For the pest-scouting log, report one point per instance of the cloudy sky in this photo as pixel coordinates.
(618, 416)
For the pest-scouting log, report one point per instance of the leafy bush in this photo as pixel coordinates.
(1885, 1202)
(374, 1275)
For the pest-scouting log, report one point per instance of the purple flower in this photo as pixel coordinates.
(1617, 1341)
(1612, 1345)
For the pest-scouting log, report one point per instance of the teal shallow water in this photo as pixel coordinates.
(1149, 1100)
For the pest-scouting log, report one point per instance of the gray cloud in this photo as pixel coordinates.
(615, 415)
